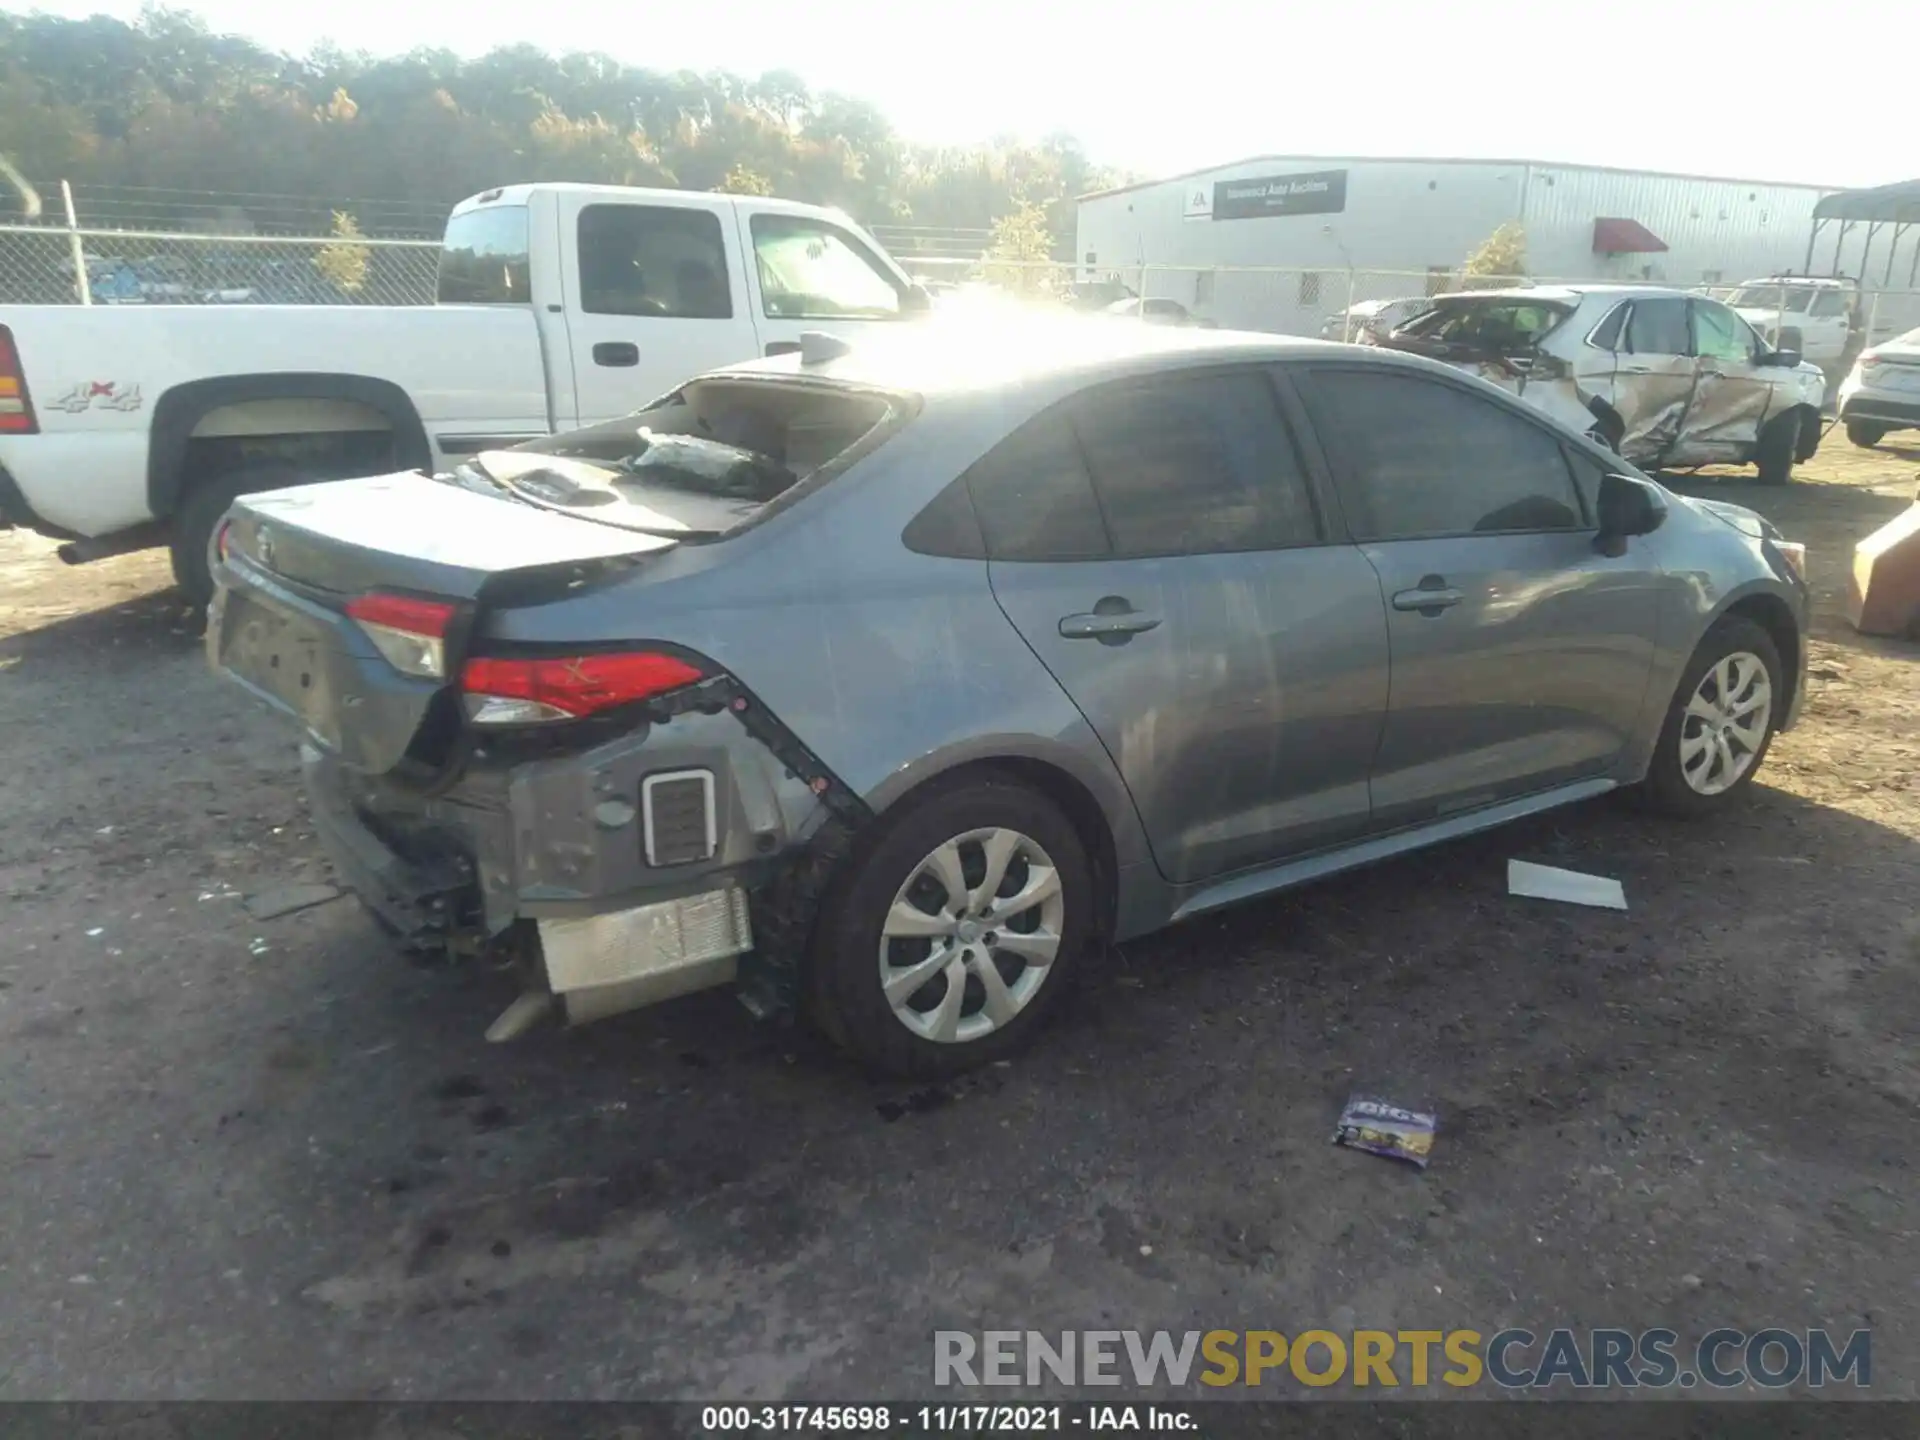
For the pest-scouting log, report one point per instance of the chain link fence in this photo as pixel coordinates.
(57, 265)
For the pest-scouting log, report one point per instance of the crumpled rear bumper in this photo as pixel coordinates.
(574, 842)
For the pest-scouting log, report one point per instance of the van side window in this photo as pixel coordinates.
(653, 260)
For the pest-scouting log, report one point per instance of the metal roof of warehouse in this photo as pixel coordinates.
(1454, 160)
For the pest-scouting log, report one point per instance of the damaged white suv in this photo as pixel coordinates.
(1663, 377)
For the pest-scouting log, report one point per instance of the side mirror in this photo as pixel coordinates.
(1787, 348)
(1627, 507)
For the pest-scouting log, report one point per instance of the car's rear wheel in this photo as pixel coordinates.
(1779, 445)
(1721, 721)
(1865, 433)
(953, 930)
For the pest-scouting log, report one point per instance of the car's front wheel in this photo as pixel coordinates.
(1865, 433)
(1721, 720)
(956, 925)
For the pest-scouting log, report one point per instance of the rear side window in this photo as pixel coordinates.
(653, 260)
(1195, 465)
(1034, 497)
(1657, 327)
(483, 259)
(1606, 335)
(1426, 459)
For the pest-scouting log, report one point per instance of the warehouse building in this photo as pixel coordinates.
(1377, 229)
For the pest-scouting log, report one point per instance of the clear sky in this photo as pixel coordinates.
(1154, 86)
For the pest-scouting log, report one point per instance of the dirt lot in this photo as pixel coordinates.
(270, 1159)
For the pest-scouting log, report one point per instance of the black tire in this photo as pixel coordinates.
(1666, 788)
(844, 995)
(200, 513)
(1779, 443)
(1865, 433)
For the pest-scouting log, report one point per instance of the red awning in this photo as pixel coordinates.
(1625, 237)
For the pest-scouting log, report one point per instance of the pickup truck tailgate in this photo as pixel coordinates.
(295, 559)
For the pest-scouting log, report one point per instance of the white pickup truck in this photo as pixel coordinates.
(560, 306)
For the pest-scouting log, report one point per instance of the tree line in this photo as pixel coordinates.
(167, 106)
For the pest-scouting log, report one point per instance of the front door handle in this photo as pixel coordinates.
(616, 353)
(1429, 598)
(1112, 622)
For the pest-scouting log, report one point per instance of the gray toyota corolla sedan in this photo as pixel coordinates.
(886, 682)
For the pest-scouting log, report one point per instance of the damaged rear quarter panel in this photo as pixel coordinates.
(890, 665)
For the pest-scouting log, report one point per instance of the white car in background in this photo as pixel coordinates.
(1825, 312)
(1882, 392)
(1660, 376)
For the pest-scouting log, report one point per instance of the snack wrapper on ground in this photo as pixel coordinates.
(1382, 1128)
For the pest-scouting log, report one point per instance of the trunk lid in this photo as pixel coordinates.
(294, 559)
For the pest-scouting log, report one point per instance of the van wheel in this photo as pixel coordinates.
(952, 931)
(1779, 443)
(1865, 433)
(1721, 721)
(199, 515)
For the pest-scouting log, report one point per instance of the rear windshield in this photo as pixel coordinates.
(483, 259)
(1500, 323)
(702, 462)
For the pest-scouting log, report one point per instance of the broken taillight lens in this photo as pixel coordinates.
(410, 632)
(530, 691)
(16, 405)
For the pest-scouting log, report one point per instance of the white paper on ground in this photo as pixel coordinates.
(1544, 882)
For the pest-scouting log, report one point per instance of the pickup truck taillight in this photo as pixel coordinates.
(518, 691)
(16, 405)
(410, 632)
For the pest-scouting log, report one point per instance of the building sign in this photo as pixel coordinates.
(1199, 202)
(1323, 192)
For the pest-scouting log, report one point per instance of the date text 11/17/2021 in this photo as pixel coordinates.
(946, 1419)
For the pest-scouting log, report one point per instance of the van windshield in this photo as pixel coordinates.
(700, 463)
(1772, 297)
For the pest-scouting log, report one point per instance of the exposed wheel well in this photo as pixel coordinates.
(328, 426)
(1771, 614)
(1077, 802)
(1810, 422)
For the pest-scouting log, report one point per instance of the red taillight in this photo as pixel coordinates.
(16, 405)
(410, 632)
(525, 691)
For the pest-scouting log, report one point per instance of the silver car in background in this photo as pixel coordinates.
(888, 684)
(1662, 377)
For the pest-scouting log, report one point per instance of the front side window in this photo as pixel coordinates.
(1719, 334)
(811, 271)
(1191, 465)
(1827, 304)
(653, 261)
(1425, 459)
(483, 259)
(1657, 327)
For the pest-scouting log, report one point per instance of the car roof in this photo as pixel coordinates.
(949, 356)
(1569, 294)
(636, 194)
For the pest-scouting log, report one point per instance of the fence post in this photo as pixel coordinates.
(82, 284)
(1346, 316)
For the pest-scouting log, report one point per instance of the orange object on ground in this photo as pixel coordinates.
(1883, 593)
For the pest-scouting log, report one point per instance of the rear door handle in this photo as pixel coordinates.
(616, 353)
(1428, 601)
(1109, 627)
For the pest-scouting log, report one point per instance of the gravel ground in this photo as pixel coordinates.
(269, 1159)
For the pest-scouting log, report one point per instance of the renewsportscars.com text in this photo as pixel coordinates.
(1513, 1359)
